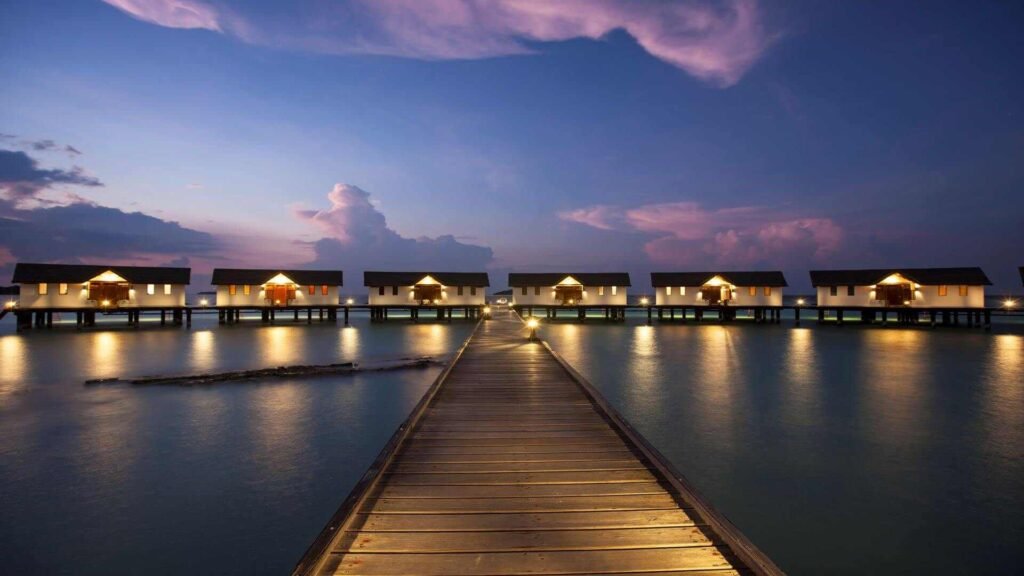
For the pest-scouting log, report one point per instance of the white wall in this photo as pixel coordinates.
(78, 296)
(257, 297)
(591, 296)
(741, 297)
(924, 297)
(449, 297)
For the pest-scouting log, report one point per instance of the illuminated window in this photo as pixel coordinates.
(615, 290)
(767, 290)
(600, 290)
(394, 290)
(943, 290)
(850, 290)
(472, 290)
(963, 290)
(150, 289)
(323, 289)
(232, 289)
(380, 291)
(682, 290)
(62, 288)
(753, 291)
(167, 289)
(833, 290)
(311, 289)
(460, 290)
(44, 289)
(246, 289)
(668, 291)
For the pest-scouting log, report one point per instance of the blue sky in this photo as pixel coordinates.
(514, 136)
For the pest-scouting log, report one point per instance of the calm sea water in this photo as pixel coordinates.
(837, 450)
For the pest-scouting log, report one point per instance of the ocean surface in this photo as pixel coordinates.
(839, 450)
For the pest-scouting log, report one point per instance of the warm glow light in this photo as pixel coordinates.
(487, 309)
(644, 301)
(800, 301)
(279, 280)
(894, 279)
(108, 276)
(105, 303)
(350, 301)
(204, 302)
(10, 304)
(1009, 303)
(427, 280)
(532, 323)
(569, 281)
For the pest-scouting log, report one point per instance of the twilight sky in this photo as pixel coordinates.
(518, 135)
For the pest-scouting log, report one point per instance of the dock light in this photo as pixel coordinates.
(800, 301)
(204, 302)
(1009, 303)
(532, 323)
(350, 301)
(105, 303)
(487, 310)
(10, 304)
(644, 301)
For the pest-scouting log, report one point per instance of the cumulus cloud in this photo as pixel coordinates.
(358, 238)
(22, 179)
(714, 40)
(686, 233)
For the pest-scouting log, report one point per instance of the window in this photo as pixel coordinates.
(536, 290)
(615, 290)
(394, 290)
(62, 288)
(311, 289)
(472, 290)
(682, 290)
(323, 289)
(600, 290)
(150, 289)
(753, 291)
(460, 290)
(232, 289)
(767, 290)
(963, 290)
(943, 290)
(245, 289)
(668, 290)
(380, 291)
(524, 290)
(851, 290)
(167, 289)
(833, 290)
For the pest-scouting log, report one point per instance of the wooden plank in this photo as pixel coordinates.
(515, 563)
(456, 479)
(527, 504)
(481, 467)
(525, 540)
(519, 491)
(426, 457)
(525, 521)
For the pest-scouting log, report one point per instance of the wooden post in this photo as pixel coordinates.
(839, 317)
(346, 315)
(309, 315)
(163, 317)
(188, 318)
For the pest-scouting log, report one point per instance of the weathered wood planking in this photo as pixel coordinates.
(513, 464)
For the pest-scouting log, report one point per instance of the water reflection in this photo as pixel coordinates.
(801, 366)
(644, 368)
(279, 423)
(281, 346)
(718, 375)
(895, 401)
(12, 364)
(1003, 395)
(350, 342)
(106, 351)
(204, 356)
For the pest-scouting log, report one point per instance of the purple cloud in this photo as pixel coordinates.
(714, 40)
(21, 178)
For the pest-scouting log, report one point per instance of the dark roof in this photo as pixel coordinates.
(503, 292)
(10, 290)
(516, 280)
(25, 273)
(926, 276)
(768, 278)
(255, 277)
(371, 278)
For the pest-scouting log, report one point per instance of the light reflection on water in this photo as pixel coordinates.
(837, 450)
(234, 478)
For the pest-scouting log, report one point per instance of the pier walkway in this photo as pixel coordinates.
(513, 464)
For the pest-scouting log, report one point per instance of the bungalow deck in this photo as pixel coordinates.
(512, 463)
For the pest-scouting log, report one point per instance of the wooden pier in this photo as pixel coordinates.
(437, 312)
(573, 312)
(512, 463)
(86, 317)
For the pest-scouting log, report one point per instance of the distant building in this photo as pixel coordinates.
(90, 287)
(273, 288)
(569, 289)
(426, 288)
(718, 288)
(902, 287)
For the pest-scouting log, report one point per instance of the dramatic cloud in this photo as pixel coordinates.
(685, 233)
(21, 178)
(360, 239)
(714, 40)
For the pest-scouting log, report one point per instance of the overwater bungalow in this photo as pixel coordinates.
(741, 289)
(268, 290)
(581, 291)
(902, 287)
(46, 289)
(413, 291)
